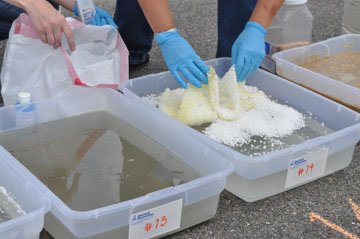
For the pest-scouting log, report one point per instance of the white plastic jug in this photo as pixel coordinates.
(351, 17)
(291, 27)
(292, 23)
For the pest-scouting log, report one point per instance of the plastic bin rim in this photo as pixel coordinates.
(280, 56)
(62, 212)
(52, 200)
(124, 86)
(321, 77)
(183, 188)
(66, 215)
(15, 222)
(277, 56)
(324, 42)
(256, 159)
(227, 169)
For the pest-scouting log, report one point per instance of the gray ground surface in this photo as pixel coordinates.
(285, 215)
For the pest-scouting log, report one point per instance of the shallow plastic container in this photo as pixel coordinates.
(200, 196)
(351, 17)
(25, 193)
(259, 177)
(287, 67)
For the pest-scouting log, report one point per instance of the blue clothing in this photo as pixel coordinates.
(8, 13)
(232, 18)
(134, 29)
(138, 36)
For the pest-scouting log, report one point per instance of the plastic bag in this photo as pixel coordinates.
(100, 60)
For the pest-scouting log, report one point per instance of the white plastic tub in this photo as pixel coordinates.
(199, 197)
(286, 66)
(29, 198)
(255, 178)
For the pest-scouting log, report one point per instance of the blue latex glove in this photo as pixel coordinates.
(101, 17)
(181, 58)
(248, 50)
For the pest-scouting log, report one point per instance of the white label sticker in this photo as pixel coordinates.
(156, 221)
(307, 168)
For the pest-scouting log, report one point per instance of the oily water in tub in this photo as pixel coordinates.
(95, 160)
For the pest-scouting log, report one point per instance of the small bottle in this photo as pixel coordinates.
(86, 9)
(351, 17)
(25, 111)
(291, 27)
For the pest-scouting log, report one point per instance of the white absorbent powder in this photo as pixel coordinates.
(267, 119)
(151, 99)
(9, 204)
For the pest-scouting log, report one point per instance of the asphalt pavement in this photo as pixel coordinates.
(332, 199)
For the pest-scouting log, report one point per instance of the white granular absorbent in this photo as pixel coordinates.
(151, 99)
(268, 119)
(8, 201)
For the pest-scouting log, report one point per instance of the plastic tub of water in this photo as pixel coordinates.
(22, 205)
(258, 177)
(345, 51)
(113, 168)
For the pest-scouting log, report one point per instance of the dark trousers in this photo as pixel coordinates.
(134, 29)
(232, 18)
(138, 36)
(8, 13)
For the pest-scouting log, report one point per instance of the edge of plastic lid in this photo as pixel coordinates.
(295, 2)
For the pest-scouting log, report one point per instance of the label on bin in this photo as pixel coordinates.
(156, 221)
(307, 168)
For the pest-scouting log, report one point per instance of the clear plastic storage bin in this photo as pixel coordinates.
(27, 196)
(199, 196)
(259, 177)
(287, 67)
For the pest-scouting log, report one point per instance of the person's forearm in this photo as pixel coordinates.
(23, 4)
(27, 4)
(265, 10)
(158, 14)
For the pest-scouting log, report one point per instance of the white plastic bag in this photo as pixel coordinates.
(100, 60)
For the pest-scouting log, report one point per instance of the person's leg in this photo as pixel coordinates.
(232, 18)
(8, 13)
(135, 30)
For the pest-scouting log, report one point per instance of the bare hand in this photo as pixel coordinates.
(49, 23)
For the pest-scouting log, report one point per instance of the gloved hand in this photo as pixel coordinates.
(101, 17)
(248, 50)
(180, 57)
